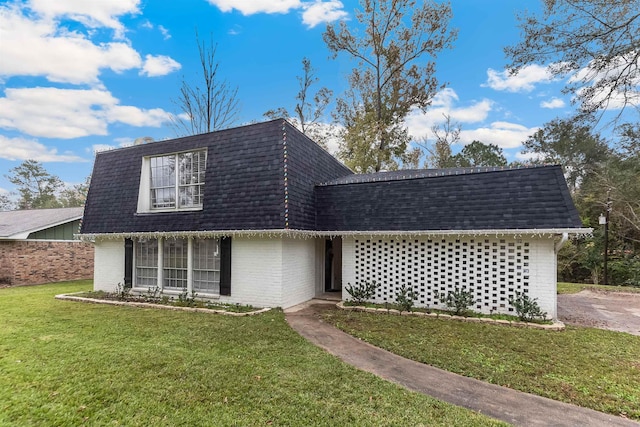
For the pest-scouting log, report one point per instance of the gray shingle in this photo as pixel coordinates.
(528, 198)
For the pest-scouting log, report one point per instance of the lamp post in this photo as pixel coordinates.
(604, 220)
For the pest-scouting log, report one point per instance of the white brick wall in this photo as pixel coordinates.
(109, 265)
(298, 271)
(544, 275)
(256, 272)
(492, 268)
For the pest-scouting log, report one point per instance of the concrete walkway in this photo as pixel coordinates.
(517, 408)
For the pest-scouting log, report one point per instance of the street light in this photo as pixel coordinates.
(604, 220)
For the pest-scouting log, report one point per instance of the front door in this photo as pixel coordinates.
(333, 265)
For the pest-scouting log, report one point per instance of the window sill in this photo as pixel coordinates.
(161, 211)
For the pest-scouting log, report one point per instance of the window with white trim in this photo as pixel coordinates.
(206, 266)
(176, 181)
(174, 264)
(146, 260)
(178, 264)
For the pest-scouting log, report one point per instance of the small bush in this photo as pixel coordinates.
(527, 308)
(123, 292)
(405, 298)
(362, 292)
(459, 301)
(186, 300)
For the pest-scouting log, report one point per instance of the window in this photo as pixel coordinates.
(192, 265)
(174, 272)
(177, 180)
(146, 253)
(206, 266)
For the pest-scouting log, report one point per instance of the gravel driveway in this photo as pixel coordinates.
(616, 311)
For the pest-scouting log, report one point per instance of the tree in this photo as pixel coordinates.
(439, 154)
(74, 196)
(479, 154)
(309, 107)
(5, 203)
(570, 143)
(395, 72)
(595, 42)
(36, 186)
(209, 106)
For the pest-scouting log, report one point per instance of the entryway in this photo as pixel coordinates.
(329, 267)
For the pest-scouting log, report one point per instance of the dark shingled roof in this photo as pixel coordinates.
(455, 199)
(244, 182)
(271, 176)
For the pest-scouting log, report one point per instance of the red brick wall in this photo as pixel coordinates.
(32, 262)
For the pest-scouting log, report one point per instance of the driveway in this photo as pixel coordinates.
(616, 311)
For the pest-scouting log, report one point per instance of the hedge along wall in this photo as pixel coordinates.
(492, 269)
(30, 262)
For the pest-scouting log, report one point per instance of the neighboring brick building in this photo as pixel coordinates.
(38, 246)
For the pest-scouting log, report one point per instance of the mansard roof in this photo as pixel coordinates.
(269, 176)
(258, 177)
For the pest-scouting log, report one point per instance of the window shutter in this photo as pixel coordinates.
(128, 263)
(225, 266)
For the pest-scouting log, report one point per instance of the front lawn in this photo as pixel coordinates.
(68, 363)
(588, 367)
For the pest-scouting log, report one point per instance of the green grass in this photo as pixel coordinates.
(588, 367)
(574, 288)
(68, 363)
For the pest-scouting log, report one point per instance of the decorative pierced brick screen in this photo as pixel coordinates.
(493, 269)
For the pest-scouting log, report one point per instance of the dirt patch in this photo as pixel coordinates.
(616, 311)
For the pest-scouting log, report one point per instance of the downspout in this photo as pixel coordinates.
(560, 244)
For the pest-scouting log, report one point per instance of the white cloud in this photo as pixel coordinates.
(553, 103)
(444, 104)
(38, 47)
(503, 134)
(92, 14)
(249, 7)
(322, 11)
(527, 157)
(159, 65)
(135, 116)
(165, 32)
(314, 12)
(524, 81)
(4, 192)
(70, 113)
(235, 30)
(610, 97)
(23, 149)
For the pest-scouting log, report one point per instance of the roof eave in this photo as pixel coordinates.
(536, 232)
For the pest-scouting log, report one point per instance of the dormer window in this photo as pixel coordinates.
(173, 182)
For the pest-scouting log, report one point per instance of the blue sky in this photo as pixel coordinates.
(78, 76)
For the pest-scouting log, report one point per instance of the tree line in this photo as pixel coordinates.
(38, 189)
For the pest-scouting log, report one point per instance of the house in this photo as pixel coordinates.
(262, 215)
(38, 246)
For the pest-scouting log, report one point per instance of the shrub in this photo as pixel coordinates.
(123, 292)
(527, 308)
(186, 300)
(405, 298)
(459, 301)
(362, 292)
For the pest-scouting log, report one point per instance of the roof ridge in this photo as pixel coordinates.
(406, 174)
